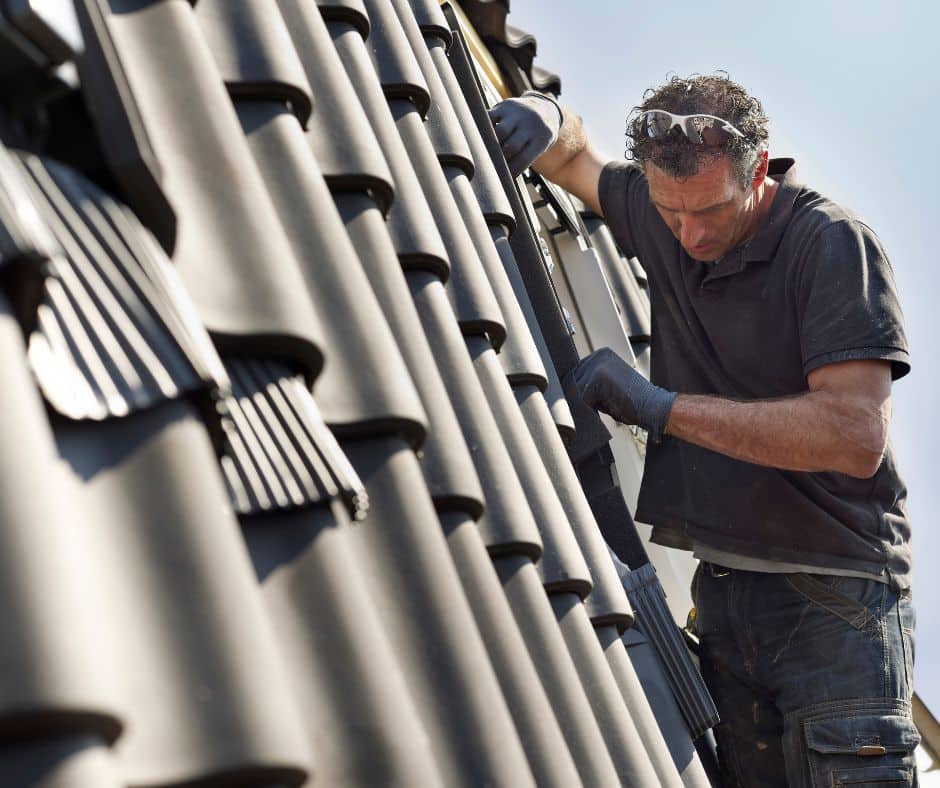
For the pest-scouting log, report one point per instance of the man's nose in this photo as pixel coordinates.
(691, 232)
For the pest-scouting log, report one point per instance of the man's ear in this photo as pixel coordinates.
(760, 171)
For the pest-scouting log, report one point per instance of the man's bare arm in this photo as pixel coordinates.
(572, 162)
(840, 424)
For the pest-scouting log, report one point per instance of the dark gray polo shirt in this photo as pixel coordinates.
(812, 287)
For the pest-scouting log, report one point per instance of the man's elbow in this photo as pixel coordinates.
(867, 454)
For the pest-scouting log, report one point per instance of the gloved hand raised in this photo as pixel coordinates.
(526, 127)
(607, 383)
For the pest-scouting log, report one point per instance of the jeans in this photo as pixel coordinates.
(812, 676)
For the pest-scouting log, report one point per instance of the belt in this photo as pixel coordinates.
(714, 570)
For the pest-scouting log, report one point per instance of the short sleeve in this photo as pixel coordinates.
(848, 302)
(617, 189)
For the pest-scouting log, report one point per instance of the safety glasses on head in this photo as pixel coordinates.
(701, 129)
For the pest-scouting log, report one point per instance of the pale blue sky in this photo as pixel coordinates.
(853, 92)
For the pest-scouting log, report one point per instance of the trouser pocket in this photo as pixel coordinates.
(858, 743)
(853, 611)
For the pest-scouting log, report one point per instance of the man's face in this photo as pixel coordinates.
(709, 213)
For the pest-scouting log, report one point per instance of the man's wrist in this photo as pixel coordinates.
(658, 410)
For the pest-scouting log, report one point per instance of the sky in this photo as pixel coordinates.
(852, 89)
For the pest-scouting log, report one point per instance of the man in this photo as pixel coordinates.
(776, 336)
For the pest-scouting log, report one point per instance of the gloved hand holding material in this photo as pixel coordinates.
(606, 382)
(526, 127)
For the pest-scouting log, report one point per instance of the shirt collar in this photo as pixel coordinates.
(765, 241)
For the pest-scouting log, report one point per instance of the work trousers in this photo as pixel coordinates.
(812, 675)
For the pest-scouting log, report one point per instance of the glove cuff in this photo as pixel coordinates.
(659, 408)
(554, 103)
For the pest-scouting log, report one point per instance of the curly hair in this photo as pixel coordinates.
(712, 95)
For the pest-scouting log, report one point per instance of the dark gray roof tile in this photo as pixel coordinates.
(562, 566)
(115, 331)
(339, 132)
(177, 593)
(629, 297)
(417, 591)
(445, 460)
(617, 726)
(471, 295)
(507, 524)
(443, 127)
(512, 48)
(352, 12)
(279, 453)
(431, 20)
(533, 274)
(248, 40)
(541, 735)
(519, 354)
(171, 138)
(344, 672)
(607, 603)
(57, 680)
(561, 413)
(460, 83)
(661, 699)
(60, 761)
(556, 669)
(414, 234)
(545, 80)
(654, 743)
(365, 389)
(398, 71)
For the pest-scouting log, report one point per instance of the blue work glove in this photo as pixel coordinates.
(526, 127)
(609, 384)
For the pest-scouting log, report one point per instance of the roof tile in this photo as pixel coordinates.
(252, 50)
(352, 12)
(339, 133)
(150, 64)
(507, 524)
(445, 460)
(414, 234)
(542, 737)
(365, 389)
(557, 670)
(398, 71)
(471, 295)
(58, 682)
(417, 591)
(654, 744)
(441, 639)
(617, 726)
(562, 565)
(176, 593)
(115, 332)
(359, 715)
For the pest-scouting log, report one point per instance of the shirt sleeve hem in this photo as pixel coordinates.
(899, 357)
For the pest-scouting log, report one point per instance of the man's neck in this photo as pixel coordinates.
(764, 199)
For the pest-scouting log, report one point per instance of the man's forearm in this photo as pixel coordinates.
(572, 141)
(815, 431)
(572, 162)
